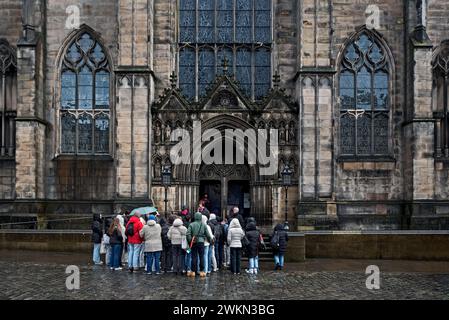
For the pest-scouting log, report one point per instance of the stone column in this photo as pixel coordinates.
(134, 91)
(30, 126)
(419, 130)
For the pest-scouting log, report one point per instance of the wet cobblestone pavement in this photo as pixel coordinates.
(25, 280)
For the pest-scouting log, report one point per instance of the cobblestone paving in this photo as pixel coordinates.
(44, 281)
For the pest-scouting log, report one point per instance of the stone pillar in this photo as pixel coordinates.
(30, 126)
(325, 138)
(419, 130)
(134, 92)
(308, 140)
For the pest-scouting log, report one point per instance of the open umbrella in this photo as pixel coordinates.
(144, 210)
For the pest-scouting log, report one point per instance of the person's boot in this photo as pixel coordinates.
(202, 274)
(131, 270)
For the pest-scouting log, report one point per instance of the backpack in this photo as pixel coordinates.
(245, 242)
(165, 240)
(275, 241)
(218, 232)
(129, 232)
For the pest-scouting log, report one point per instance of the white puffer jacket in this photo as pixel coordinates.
(235, 234)
(177, 232)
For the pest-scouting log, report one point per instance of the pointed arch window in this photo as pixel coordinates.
(8, 100)
(440, 65)
(212, 30)
(364, 83)
(85, 103)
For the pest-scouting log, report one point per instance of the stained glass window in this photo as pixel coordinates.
(212, 30)
(364, 98)
(85, 98)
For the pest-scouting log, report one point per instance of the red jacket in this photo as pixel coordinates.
(135, 238)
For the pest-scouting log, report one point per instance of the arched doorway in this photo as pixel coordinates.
(227, 186)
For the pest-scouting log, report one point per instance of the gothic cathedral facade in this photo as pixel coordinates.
(92, 91)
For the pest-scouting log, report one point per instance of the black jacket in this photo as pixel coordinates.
(97, 232)
(253, 236)
(283, 239)
(116, 237)
(217, 230)
(165, 227)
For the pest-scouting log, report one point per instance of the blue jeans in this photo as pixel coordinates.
(134, 255)
(96, 253)
(219, 254)
(108, 256)
(279, 259)
(153, 257)
(188, 261)
(254, 263)
(207, 258)
(116, 253)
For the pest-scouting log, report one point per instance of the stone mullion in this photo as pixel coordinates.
(3, 120)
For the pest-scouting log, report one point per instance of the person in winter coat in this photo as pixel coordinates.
(196, 235)
(219, 242)
(176, 234)
(106, 243)
(166, 258)
(227, 249)
(207, 246)
(188, 257)
(151, 233)
(235, 236)
(97, 235)
(254, 239)
(213, 223)
(123, 258)
(134, 241)
(116, 242)
(280, 248)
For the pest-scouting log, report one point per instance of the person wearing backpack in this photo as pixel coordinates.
(196, 235)
(166, 258)
(177, 235)
(279, 241)
(133, 228)
(235, 236)
(254, 241)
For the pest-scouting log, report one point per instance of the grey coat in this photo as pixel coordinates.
(151, 233)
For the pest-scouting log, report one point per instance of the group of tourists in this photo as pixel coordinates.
(183, 244)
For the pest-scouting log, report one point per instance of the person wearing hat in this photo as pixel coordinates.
(151, 233)
(133, 228)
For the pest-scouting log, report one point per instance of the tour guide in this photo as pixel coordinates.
(196, 234)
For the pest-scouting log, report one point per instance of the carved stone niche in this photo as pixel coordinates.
(224, 99)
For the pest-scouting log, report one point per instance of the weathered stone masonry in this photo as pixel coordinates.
(407, 189)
